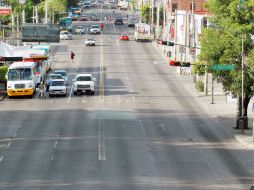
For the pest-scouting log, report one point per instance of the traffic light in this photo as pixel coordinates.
(185, 64)
(170, 43)
(163, 42)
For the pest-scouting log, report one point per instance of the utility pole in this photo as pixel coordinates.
(242, 114)
(158, 20)
(17, 34)
(46, 11)
(36, 15)
(152, 14)
(12, 28)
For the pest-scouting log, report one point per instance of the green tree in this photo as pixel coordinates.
(233, 22)
(145, 13)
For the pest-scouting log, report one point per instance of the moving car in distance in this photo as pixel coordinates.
(132, 21)
(52, 77)
(95, 29)
(90, 42)
(57, 87)
(124, 37)
(64, 74)
(65, 35)
(80, 30)
(83, 18)
(84, 83)
(118, 21)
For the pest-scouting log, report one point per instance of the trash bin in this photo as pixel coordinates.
(243, 123)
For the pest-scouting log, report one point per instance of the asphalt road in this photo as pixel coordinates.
(142, 130)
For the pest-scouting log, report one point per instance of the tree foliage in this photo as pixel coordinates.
(222, 44)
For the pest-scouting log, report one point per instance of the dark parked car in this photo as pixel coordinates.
(118, 21)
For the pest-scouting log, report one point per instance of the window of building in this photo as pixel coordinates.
(194, 6)
(174, 7)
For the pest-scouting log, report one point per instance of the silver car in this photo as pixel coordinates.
(65, 36)
(64, 74)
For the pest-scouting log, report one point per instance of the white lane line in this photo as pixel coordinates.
(133, 98)
(8, 145)
(162, 126)
(69, 98)
(55, 144)
(127, 78)
(1, 158)
(101, 144)
(52, 158)
(142, 127)
(101, 92)
(117, 42)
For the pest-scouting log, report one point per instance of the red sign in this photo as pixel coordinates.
(5, 11)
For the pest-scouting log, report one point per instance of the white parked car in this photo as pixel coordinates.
(80, 30)
(84, 83)
(65, 36)
(90, 42)
(57, 87)
(95, 29)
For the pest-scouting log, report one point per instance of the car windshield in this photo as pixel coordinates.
(95, 26)
(57, 83)
(55, 77)
(19, 74)
(66, 33)
(61, 73)
(84, 78)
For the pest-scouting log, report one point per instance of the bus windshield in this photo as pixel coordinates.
(19, 74)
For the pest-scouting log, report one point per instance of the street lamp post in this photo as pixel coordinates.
(46, 11)
(242, 110)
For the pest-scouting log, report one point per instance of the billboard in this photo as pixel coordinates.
(5, 11)
(40, 32)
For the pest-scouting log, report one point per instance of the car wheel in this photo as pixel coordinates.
(75, 93)
(92, 92)
(50, 95)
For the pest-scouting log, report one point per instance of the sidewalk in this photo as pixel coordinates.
(223, 111)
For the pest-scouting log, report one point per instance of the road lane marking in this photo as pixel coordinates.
(1, 158)
(52, 158)
(117, 42)
(8, 145)
(69, 98)
(86, 31)
(55, 144)
(101, 92)
(102, 153)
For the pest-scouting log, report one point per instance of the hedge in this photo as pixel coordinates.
(3, 71)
